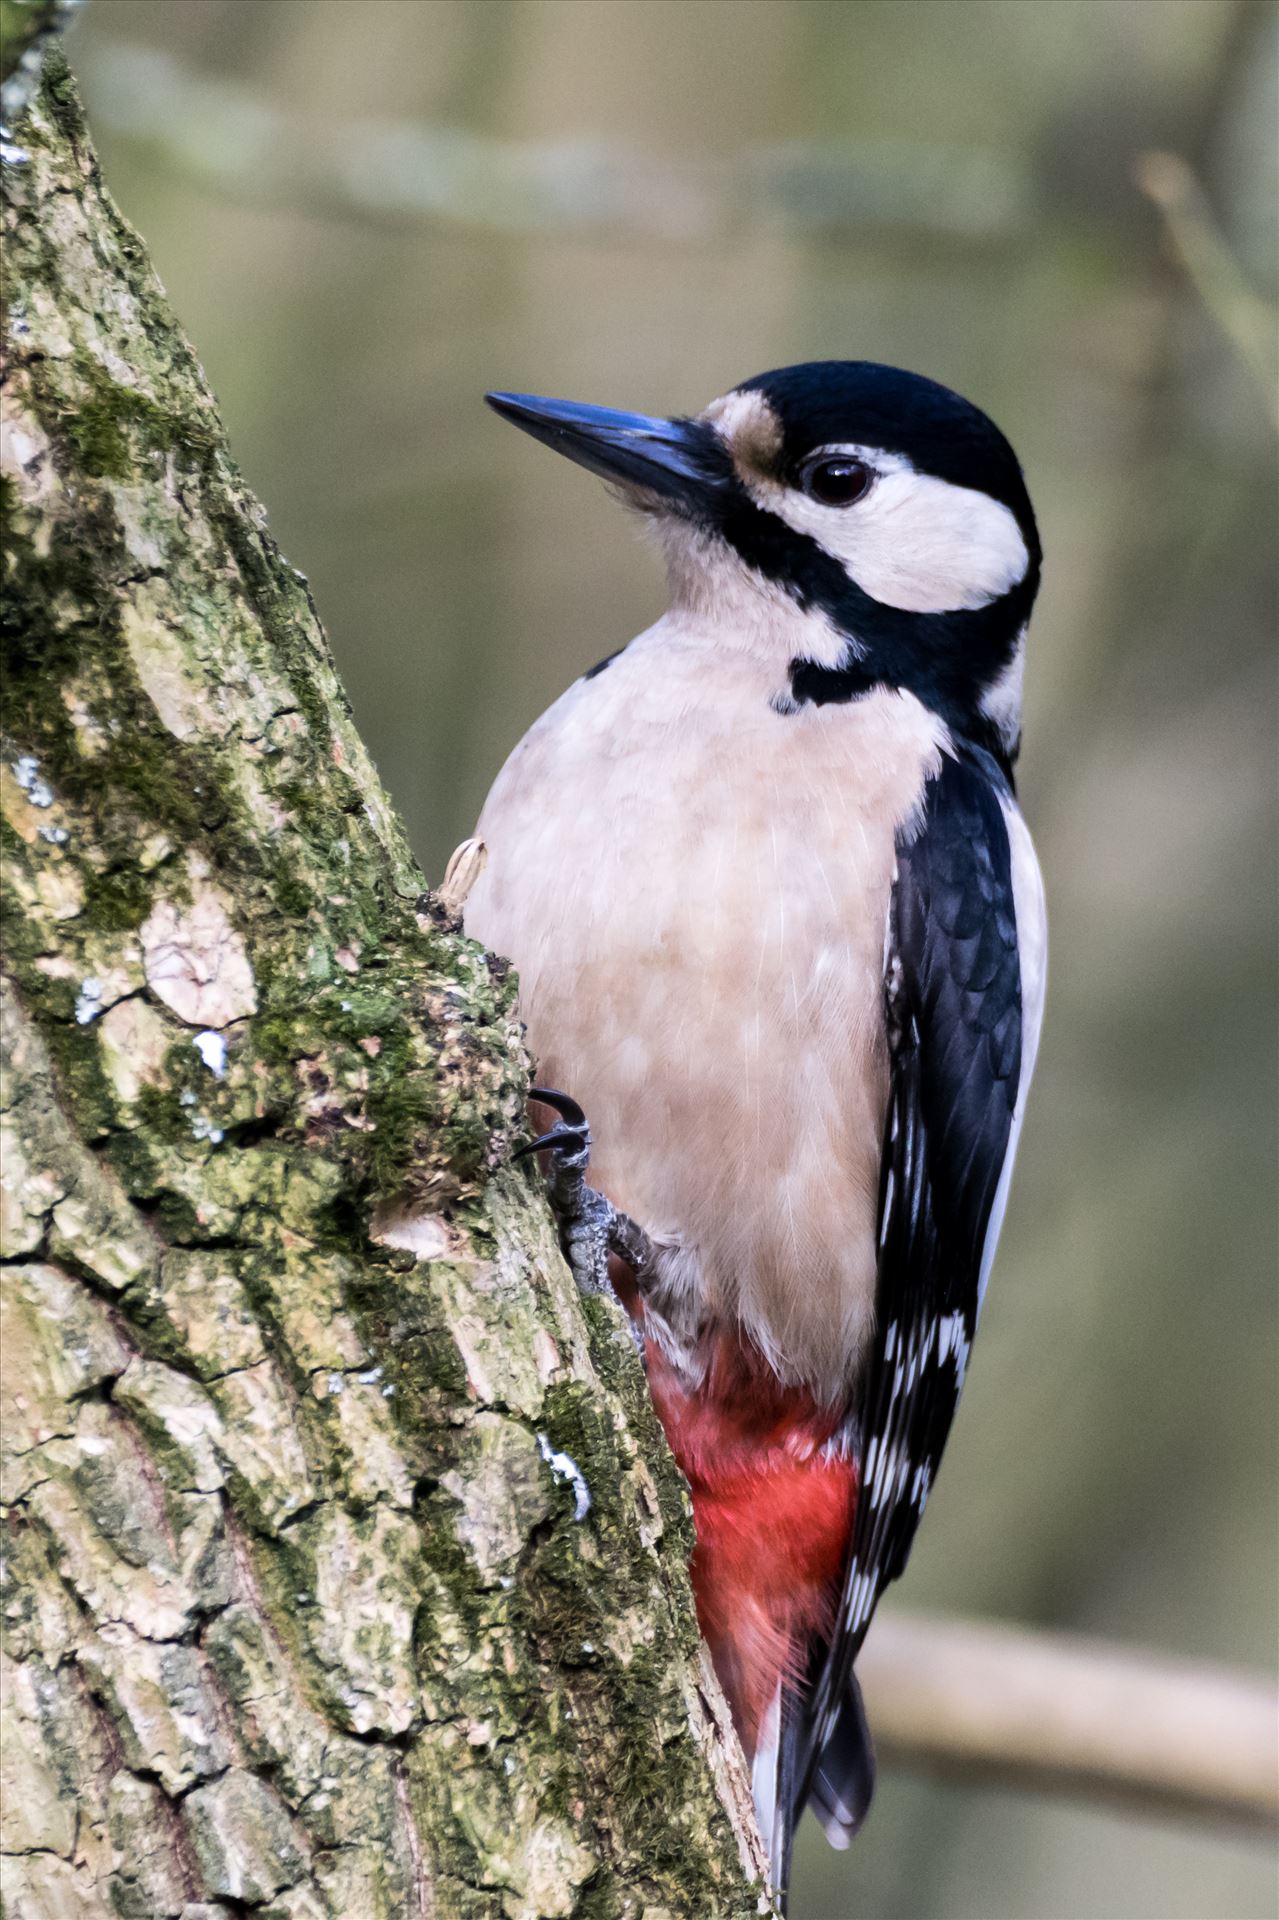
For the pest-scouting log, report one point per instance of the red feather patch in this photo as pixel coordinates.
(773, 1505)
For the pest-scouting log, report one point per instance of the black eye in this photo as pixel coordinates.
(835, 480)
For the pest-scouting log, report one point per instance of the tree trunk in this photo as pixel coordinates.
(346, 1563)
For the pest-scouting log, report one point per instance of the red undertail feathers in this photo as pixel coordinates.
(773, 1501)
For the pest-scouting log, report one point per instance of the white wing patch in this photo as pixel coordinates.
(1032, 943)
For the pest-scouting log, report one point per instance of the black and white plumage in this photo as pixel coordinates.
(964, 1008)
(779, 929)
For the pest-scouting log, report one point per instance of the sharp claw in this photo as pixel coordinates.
(566, 1107)
(569, 1139)
(590, 1226)
(559, 1138)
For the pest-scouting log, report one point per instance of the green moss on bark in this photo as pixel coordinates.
(305, 1609)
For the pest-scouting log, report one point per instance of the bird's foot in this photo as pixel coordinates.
(591, 1227)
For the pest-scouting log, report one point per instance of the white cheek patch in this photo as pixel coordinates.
(914, 541)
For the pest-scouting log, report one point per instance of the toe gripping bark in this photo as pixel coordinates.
(590, 1225)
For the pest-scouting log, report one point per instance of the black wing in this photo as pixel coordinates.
(953, 987)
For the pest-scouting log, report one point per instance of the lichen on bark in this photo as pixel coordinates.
(345, 1571)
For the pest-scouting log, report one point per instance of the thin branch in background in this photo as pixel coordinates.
(1037, 1710)
(260, 151)
(1246, 319)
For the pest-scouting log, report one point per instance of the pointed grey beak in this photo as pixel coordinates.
(682, 461)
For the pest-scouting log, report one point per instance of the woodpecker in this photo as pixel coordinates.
(779, 931)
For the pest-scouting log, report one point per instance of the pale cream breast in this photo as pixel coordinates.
(694, 889)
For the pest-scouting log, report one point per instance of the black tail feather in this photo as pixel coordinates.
(789, 1802)
(840, 1786)
(843, 1782)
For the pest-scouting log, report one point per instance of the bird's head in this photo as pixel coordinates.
(880, 518)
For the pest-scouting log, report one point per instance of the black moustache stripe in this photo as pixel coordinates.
(948, 660)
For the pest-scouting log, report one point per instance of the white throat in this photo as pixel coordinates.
(715, 589)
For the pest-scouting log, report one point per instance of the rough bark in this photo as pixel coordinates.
(345, 1569)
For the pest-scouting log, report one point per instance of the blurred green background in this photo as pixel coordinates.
(367, 211)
